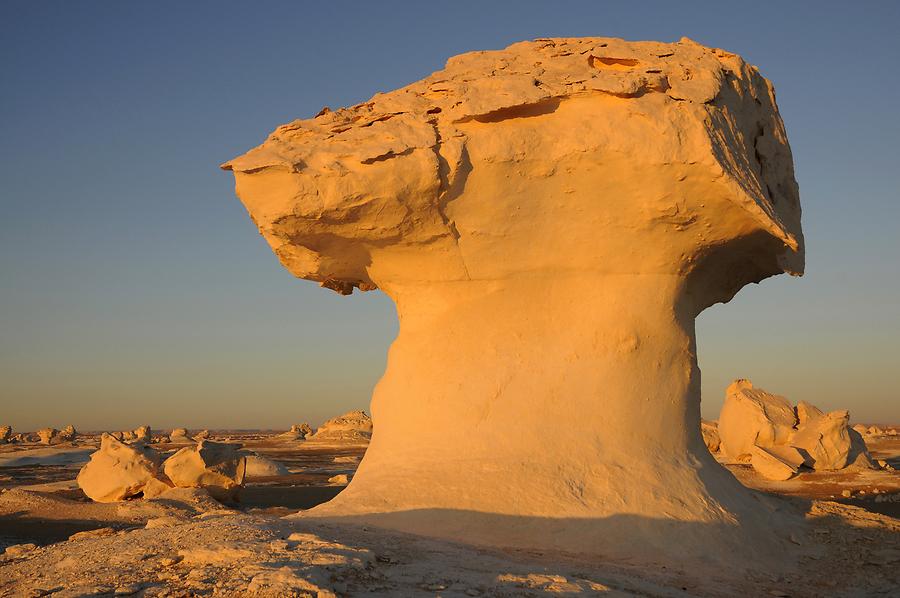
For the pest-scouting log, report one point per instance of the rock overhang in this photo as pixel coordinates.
(334, 192)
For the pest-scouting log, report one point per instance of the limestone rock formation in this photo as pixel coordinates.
(751, 416)
(710, 432)
(823, 439)
(201, 435)
(68, 434)
(355, 427)
(118, 471)
(48, 436)
(772, 465)
(297, 432)
(754, 419)
(143, 434)
(5, 434)
(180, 435)
(262, 467)
(549, 219)
(216, 466)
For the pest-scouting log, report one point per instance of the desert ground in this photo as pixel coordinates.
(184, 543)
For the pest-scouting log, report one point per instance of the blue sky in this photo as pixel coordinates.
(134, 288)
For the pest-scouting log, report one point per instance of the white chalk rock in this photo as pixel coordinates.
(48, 436)
(751, 416)
(297, 432)
(118, 471)
(262, 467)
(218, 467)
(823, 438)
(5, 434)
(710, 431)
(549, 220)
(179, 436)
(201, 435)
(354, 427)
(772, 466)
(142, 434)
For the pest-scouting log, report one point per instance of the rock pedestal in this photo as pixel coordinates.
(549, 220)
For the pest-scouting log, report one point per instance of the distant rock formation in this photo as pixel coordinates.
(201, 435)
(297, 432)
(119, 471)
(180, 435)
(263, 467)
(218, 467)
(50, 436)
(549, 220)
(5, 434)
(354, 426)
(776, 438)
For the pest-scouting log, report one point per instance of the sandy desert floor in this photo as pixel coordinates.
(186, 544)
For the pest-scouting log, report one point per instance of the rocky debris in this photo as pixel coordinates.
(180, 435)
(5, 434)
(710, 431)
(17, 550)
(119, 471)
(218, 467)
(262, 467)
(354, 426)
(339, 480)
(297, 432)
(753, 417)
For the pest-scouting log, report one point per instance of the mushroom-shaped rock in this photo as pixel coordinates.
(751, 416)
(48, 436)
(118, 471)
(549, 219)
(352, 427)
(216, 466)
(5, 434)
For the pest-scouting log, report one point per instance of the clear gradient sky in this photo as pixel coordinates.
(135, 289)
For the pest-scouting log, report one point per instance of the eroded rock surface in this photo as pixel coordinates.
(751, 416)
(118, 471)
(355, 426)
(218, 467)
(549, 220)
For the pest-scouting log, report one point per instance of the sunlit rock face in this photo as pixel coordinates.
(549, 220)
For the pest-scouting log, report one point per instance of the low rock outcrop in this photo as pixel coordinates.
(355, 427)
(50, 436)
(119, 471)
(751, 416)
(5, 434)
(761, 428)
(262, 467)
(218, 467)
